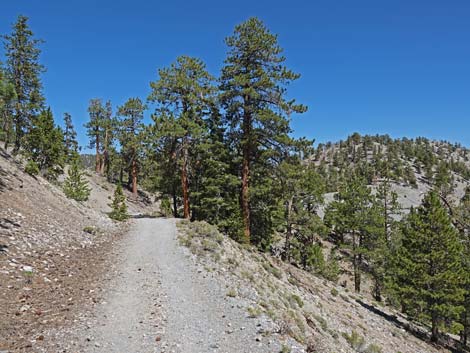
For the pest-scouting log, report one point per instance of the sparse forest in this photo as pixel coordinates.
(219, 148)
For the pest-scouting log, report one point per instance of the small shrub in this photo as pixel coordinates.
(118, 206)
(355, 340)
(285, 349)
(232, 293)
(334, 292)
(373, 348)
(90, 230)
(295, 298)
(31, 168)
(253, 312)
(209, 245)
(75, 186)
(272, 270)
(322, 322)
(165, 207)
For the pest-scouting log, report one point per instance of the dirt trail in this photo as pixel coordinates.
(160, 301)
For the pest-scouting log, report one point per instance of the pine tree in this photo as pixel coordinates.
(443, 179)
(44, 144)
(7, 101)
(183, 94)
(109, 127)
(70, 138)
(381, 227)
(302, 192)
(24, 70)
(95, 129)
(253, 89)
(213, 185)
(118, 205)
(75, 186)
(462, 215)
(429, 270)
(131, 128)
(350, 216)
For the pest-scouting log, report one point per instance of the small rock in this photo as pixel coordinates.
(28, 269)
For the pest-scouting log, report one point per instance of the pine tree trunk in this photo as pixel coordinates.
(377, 291)
(6, 128)
(175, 203)
(245, 192)
(104, 160)
(286, 256)
(356, 264)
(98, 158)
(464, 332)
(184, 181)
(357, 273)
(18, 133)
(435, 328)
(134, 177)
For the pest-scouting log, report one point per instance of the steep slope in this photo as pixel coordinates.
(50, 250)
(309, 313)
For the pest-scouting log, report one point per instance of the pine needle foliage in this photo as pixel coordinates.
(75, 186)
(428, 266)
(118, 206)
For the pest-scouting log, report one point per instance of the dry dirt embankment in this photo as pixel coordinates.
(52, 253)
(307, 313)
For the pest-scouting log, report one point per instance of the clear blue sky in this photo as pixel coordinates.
(390, 66)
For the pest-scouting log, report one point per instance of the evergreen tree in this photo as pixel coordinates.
(213, 184)
(302, 192)
(429, 271)
(183, 94)
(23, 71)
(118, 205)
(350, 215)
(109, 127)
(7, 101)
(462, 216)
(70, 138)
(253, 89)
(75, 186)
(131, 127)
(443, 179)
(95, 129)
(44, 144)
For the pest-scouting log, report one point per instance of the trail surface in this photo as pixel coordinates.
(160, 301)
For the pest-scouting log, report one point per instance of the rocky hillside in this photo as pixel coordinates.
(307, 313)
(51, 248)
(412, 165)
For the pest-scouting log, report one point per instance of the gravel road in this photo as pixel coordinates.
(161, 301)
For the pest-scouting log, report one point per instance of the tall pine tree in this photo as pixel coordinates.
(349, 215)
(70, 138)
(253, 95)
(131, 127)
(429, 272)
(7, 103)
(23, 71)
(183, 94)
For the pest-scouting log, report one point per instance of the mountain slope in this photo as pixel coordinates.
(51, 249)
(308, 313)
